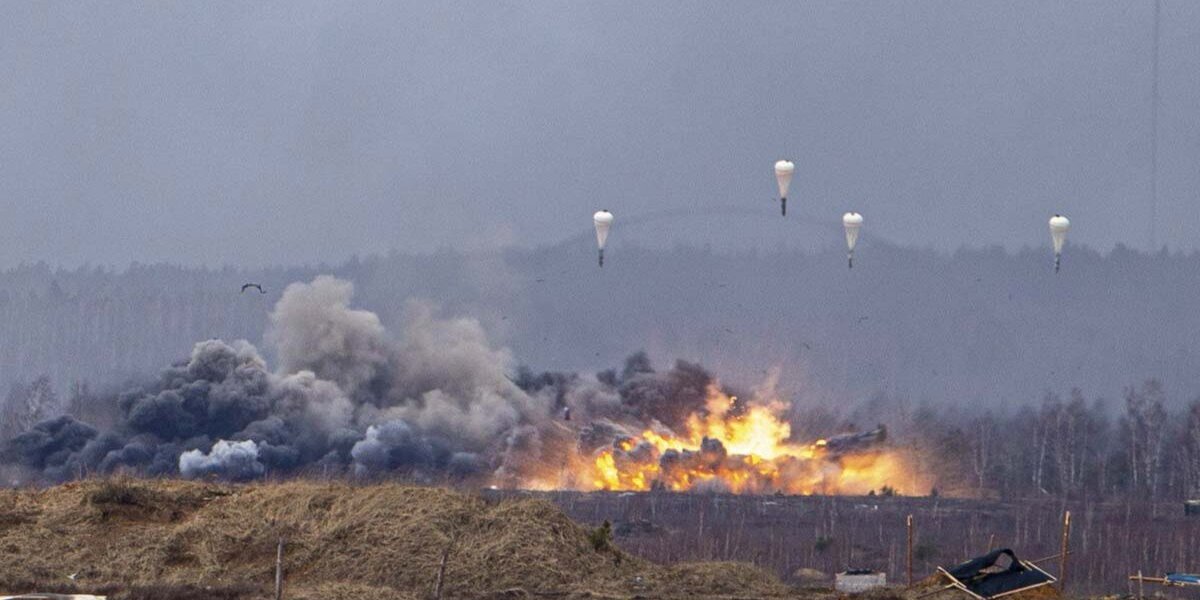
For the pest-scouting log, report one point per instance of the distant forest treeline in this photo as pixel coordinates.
(981, 327)
(981, 334)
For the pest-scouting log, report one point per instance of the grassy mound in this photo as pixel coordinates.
(379, 541)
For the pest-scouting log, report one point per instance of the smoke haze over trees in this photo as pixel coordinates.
(979, 328)
(1093, 369)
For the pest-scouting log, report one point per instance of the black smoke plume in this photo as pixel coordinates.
(435, 402)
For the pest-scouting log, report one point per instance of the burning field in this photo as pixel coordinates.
(440, 403)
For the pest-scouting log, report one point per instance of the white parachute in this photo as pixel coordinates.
(783, 176)
(603, 220)
(1058, 234)
(852, 221)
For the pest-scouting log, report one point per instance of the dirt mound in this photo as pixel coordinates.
(379, 541)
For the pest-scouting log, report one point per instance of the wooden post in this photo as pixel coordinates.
(1062, 564)
(441, 573)
(279, 571)
(910, 541)
(1140, 585)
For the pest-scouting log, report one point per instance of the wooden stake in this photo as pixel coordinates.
(910, 541)
(279, 571)
(1139, 585)
(991, 542)
(441, 574)
(1062, 564)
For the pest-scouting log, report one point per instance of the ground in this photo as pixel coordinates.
(160, 539)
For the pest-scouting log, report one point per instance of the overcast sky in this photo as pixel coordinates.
(261, 133)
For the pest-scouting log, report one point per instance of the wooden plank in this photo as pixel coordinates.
(1024, 589)
(1033, 566)
(1139, 577)
(958, 584)
(937, 591)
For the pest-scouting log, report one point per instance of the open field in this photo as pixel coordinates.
(160, 539)
(1109, 541)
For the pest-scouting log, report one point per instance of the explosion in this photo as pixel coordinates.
(732, 446)
(438, 403)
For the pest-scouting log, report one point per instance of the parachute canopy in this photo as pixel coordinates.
(603, 220)
(783, 175)
(852, 221)
(1058, 231)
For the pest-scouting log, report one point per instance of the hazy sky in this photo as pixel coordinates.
(256, 133)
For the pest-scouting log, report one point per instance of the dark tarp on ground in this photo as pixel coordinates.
(993, 583)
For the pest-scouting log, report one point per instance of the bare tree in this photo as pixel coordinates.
(1191, 443)
(1146, 417)
(982, 439)
(41, 403)
(11, 412)
(1043, 435)
(1069, 442)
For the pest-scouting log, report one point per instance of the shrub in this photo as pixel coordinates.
(118, 492)
(601, 537)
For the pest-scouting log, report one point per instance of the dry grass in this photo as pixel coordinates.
(723, 578)
(189, 539)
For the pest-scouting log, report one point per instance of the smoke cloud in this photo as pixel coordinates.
(435, 402)
(234, 460)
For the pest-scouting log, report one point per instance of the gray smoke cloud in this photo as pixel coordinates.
(234, 460)
(436, 401)
(314, 329)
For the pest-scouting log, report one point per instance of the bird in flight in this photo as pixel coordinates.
(253, 285)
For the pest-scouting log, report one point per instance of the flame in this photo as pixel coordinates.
(742, 448)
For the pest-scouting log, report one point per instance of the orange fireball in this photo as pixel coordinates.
(741, 449)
